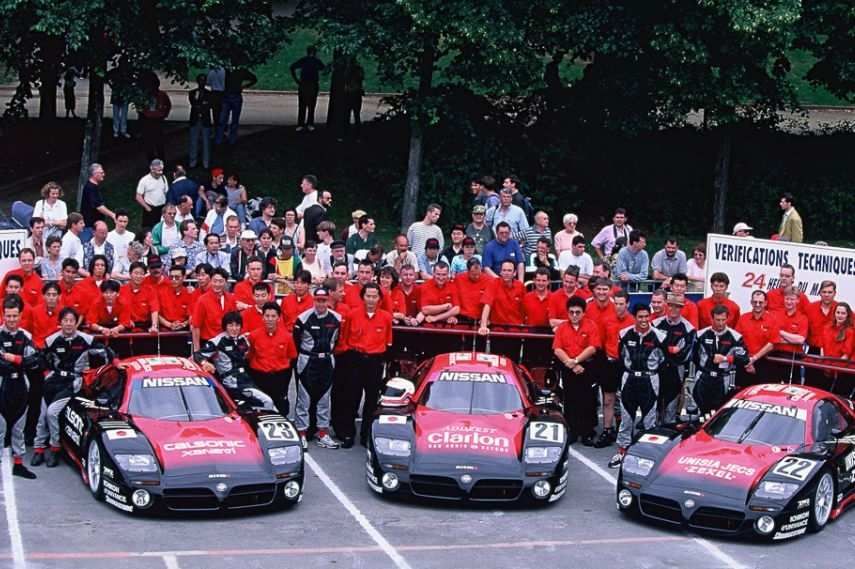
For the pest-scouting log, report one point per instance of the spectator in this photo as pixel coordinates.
(308, 84)
(364, 237)
(308, 185)
(605, 240)
(354, 76)
(287, 264)
(479, 194)
(237, 197)
(312, 263)
(316, 214)
(401, 254)
(36, 240)
(211, 190)
(236, 81)
(231, 240)
(70, 100)
(184, 209)
(760, 331)
(439, 300)
(633, 263)
(791, 222)
(420, 231)
(182, 186)
(151, 193)
(268, 212)
(536, 302)
(92, 203)
(491, 198)
(718, 283)
(189, 243)
(120, 238)
(539, 230)
(121, 81)
(152, 116)
(458, 232)
(338, 254)
(215, 221)
(503, 248)
(53, 210)
(460, 263)
(577, 257)
(429, 259)
(292, 229)
(542, 258)
(564, 238)
(72, 247)
(471, 291)
(240, 256)
(266, 250)
(217, 82)
(166, 233)
(212, 254)
(696, 268)
(478, 228)
(742, 229)
(326, 231)
(512, 183)
(51, 266)
(507, 212)
(503, 303)
(175, 301)
(98, 245)
(668, 261)
(200, 121)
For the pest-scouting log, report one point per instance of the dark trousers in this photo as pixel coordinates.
(710, 393)
(580, 399)
(342, 420)
(275, 385)
(353, 108)
(152, 135)
(152, 218)
(764, 373)
(307, 99)
(34, 406)
(366, 381)
(216, 107)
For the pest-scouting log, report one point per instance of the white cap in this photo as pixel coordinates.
(248, 234)
(742, 226)
(179, 252)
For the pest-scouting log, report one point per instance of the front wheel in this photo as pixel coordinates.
(823, 502)
(93, 470)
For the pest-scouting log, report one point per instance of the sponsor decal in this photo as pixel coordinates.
(548, 432)
(219, 475)
(115, 434)
(175, 382)
(115, 503)
(795, 393)
(74, 419)
(798, 518)
(849, 460)
(147, 364)
(203, 448)
(278, 431)
(392, 419)
(74, 436)
(465, 467)
(470, 438)
(795, 468)
(803, 503)
(653, 439)
(474, 376)
(794, 412)
(106, 471)
(787, 535)
(111, 487)
(714, 468)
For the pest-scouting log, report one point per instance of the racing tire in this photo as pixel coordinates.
(94, 472)
(822, 503)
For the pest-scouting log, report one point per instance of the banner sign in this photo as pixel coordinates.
(11, 243)
(754, 264)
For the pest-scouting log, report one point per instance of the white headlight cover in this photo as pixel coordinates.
(284, 455)
(136, 462)
(542, 455)
(392, 447)
(637, 465)
(776, 490)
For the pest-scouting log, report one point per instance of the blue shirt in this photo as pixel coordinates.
(180, 188)
(495, 253)
(637, 265)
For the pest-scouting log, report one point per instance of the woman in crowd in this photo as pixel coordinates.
(392, 299)
(696, 268)
(839, 339)
(237, 196)
(293, 229)
(564, 238)
(311, 263)
(52, 209)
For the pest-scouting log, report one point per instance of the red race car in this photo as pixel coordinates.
(160, 433)
(775, 461)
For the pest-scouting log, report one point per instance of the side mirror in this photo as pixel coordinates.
(398, 392)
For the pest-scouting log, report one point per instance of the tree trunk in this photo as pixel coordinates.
(722, 179)
(92, 129)
(51, 48)
(417, 132)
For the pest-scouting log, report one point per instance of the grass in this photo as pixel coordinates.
(807, 93)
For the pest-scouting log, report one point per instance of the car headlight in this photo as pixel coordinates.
(776, 490)
(284, 455)
(392, 447)
(541, 455)
(136, 462)
(637, 465)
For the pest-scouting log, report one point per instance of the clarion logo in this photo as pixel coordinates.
(468, 439)
(472, 376)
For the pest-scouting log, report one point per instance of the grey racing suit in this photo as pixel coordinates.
(642, 355)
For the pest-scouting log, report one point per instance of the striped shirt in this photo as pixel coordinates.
(530, 237)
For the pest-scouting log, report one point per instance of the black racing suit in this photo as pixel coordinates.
(715, 382)
(14, 387)
(642, 356)
(228, 355)
(679, 347)
(315, 337)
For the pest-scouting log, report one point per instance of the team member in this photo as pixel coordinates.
(839, 341)
(109, 315)
(18, 355)
(45, 321)
(679, 287)
(393, 300)
(503, 304)
(141, 300)
(471, 291)
(364, 275)
(175, 301)
(642, 351)
(299, 301)
(612, 368)
(719, 283)
(369, 336)
(253, 317)
(13, 289)
(720, 350)
(411, 292)
(657, 304)
(244, 291)
(558, 299)
(270, 354)
(536, 302)
(316, 332)
(575, 344)
(70, 296)
(31, 282)
(341, 419)
(820, 315)
(679, 345)
(439, 300)
(67, 354)
(786, 279)
(760, 332)
(210, 309)
(226, 355)
(793, 331)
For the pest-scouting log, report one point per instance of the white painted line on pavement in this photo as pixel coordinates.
(11, 505)
(711, 548)
(378, 538)
(171, 562)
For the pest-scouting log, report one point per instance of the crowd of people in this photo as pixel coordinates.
(267, 292)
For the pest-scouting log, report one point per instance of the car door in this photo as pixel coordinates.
(831, 423)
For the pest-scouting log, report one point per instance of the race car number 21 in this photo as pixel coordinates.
(797, 468)
(549, 432)
(278, 431)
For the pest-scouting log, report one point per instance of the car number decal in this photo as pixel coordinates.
(796, 468)
(278, 431)
(549, 432)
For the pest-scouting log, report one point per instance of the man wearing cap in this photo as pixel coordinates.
(742, 229)
(175, 301)
(262, 222)
(212, 254)
(271, 350)
(285, 266)
(428, 259)
(472, 290)
(151, 193)
(338, 254)
(679, 345)
(478, 228)
(188, 246)
(239, 257)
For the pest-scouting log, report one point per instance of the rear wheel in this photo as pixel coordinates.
(823, 502)
(93, 470)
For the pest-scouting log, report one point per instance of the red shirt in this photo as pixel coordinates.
(574, 341)
(393, 301)
(413, 300)
(175, 305)
(252, 319)
(601, 315)
(243, 292)
(76, 298)
(89, 288)
(775, 301)
(834, 348)
(705, 306)
(353, 295)
(209, 311)
(472, 294)
(690, 313)
(44, 323)
(155, 283)
(506, 302)
(558, 303)
(795, 324)
(370, 335)
(342, 344)
(26, 319)
(611, 341)
(141, 302)
(98, 314)
(817, 322)
(536, 309)
(757, 332)
(271, 352)
(293, 306)
(31, 292)
(432, 295)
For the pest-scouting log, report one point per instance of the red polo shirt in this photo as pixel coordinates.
(536, 309)
(775, 301)
(252, 319)
(175, 305)
(370, 335)
(76, 298)
(611, 341)
(98, 314)
(268, 352)
(706, 305)
(432, 295)
(243, 292)
(393, 301)
(601, 315)
(506, 302)
(690, 313)
(31, 292)
(44, 323)
(818, 321)
(574, 341)
(834, 348)
(757, 332)
(293, 306)
(140, 302)
(797, 323)
(472, 294)
(342, 344)
(413, 300)
(209, 311)
(558, 302)
(353, 295)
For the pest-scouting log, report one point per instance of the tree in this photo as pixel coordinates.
(827, 32)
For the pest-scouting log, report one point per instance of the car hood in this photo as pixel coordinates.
(225, 441)
(708, 465)
(480, 438)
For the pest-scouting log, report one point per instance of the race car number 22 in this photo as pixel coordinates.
(278, 431)
(797, 468)
(549, 432)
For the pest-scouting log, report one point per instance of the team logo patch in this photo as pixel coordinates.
(116, 434)
(653, 439)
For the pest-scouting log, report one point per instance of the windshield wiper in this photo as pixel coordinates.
(751, 427)
(186, 405)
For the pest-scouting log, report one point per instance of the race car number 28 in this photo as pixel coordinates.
(797, 468)
(277, 431)
(549, 432)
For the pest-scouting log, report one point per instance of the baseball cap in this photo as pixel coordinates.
(358, 213)
(479, 209)
(338, 244)
(432, 243)
(676, 300)
(249, 234)
(321, 292)
(178, 252)
(286, 242)
(742, 226)
(156, 263)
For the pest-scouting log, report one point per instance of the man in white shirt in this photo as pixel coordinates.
(72, 248)
(604, 241)
(212, 254)
(308, 185)
(151, 193)
(401, 255)
(185, 209)
(120, 237)
(577, 257)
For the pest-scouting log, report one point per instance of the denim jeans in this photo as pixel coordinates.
(120, 118)
(232, 104)
(197, 130)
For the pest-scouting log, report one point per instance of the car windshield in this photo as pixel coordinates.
(176, 399)
(472, 397)
(751, 426)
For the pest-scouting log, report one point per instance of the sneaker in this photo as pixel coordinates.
(588, 440)
(617, 459)
(326, 441)
(38, 458)
(125, 135)
(300, 129)
(347, 442)
(52, 459)
(23, 472)
(115, 135)
(303, 440)
(311, 128)
(606, 438)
